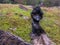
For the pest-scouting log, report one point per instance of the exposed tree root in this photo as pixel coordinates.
(41, 40)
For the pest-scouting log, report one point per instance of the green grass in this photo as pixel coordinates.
(10, 18)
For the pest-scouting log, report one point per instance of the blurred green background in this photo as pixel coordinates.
(15, 17)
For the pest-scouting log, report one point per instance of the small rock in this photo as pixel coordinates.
(25, 17)
(14, 29)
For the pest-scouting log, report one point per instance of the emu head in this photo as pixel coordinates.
(37, 14)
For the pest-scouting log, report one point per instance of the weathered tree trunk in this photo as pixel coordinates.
(43, 39)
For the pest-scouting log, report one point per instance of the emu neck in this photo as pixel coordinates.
(36, 28)
(35, 22)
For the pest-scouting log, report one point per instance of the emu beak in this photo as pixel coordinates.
(37, 18)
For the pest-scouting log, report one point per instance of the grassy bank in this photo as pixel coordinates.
(12, 21)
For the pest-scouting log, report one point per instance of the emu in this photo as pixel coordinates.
(38, 35)
(37, 15)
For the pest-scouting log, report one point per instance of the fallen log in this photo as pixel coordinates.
(7, 38)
